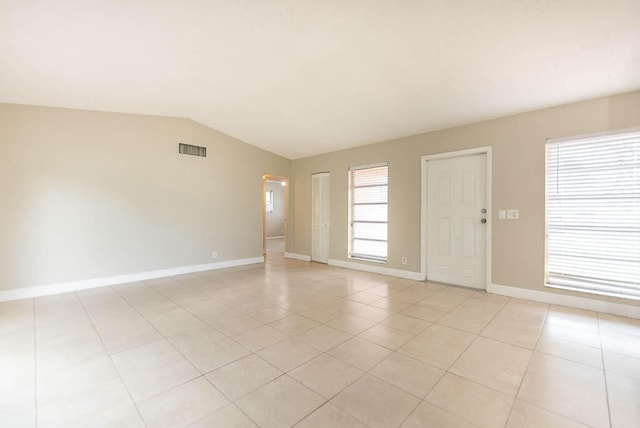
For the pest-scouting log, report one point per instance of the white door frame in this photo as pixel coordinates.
(424, 161)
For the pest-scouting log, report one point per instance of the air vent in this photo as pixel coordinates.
(191, 150)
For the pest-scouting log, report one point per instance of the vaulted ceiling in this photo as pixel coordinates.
(300, 77)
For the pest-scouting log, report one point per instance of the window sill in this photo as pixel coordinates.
(596, 292)
(364, 259)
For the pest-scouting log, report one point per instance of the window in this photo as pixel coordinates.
(269, 201)
(593, 214)
(368, 213)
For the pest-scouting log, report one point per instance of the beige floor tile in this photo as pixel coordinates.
(192, 339)
(324, 337)
(582, 337)
(525, 415)
(584, 405)
(376, 403)
(391, 305)
(406, 323)
(447, 336)
(330, 416)
(243, 376)
(622, 364)
(326, 375)
(211, 356)
(625, 344)
(25, 418)
(174, 321)
(412, 376)
(434, 353)
(570, 351)
(320, 314)
(512, 335)
(428, 415)
(259, 338)
(386, 336)
(573, 318)
(289, 354)
(464, 322)
(473, 402)
(560, 369)
(236, 325)
(228, 417)
(371, 313)
(140, 357)
(498, 365)
(424, 313)
(351, 324)
(282, 402)
(124, 416)
(363, 297)
(182, 405)
(74, 379)
(293, 325)
(85, 408)
(624, 400)
(67, 351)
(360, 353)
(17, 398)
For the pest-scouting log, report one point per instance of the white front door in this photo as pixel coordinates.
(320, 217)
(456, 220)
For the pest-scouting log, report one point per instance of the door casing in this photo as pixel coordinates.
(424, 161)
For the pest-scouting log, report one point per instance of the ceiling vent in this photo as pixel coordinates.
(191, 150)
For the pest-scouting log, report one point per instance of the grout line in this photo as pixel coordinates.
(84, 308)
(604, 372)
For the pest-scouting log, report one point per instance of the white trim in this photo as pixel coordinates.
(371, 165)
(597, 137)
(274, 237)
(64, 287)
(488, 151)
(376, 269)
(565, 300)
(295, 256)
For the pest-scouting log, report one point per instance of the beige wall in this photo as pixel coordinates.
(275, 219)
(518, 182)
(88, 195)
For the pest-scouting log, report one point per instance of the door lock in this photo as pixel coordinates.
(483, 211)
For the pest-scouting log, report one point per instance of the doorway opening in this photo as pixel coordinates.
(320, 213)
(455, 235)
(275, 211)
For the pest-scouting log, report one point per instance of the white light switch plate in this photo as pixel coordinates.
(502, 214)
(513, 214)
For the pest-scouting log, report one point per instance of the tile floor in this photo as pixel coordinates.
(295, 343)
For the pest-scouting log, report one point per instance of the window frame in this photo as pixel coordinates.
(351, 205)
(597, 288)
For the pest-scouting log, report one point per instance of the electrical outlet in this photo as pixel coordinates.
(214, 254)
(513, 214)
(404, 260)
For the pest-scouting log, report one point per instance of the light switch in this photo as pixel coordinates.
(513, 214)
(502, 214)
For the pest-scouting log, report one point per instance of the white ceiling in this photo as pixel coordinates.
(301, 77)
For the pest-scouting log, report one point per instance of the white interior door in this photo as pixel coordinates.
(456, 222)
(320, 217)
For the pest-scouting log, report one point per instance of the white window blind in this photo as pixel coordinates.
(368, 197)
(593, 214)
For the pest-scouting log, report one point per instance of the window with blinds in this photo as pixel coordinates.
(593, 214)
(368, 213)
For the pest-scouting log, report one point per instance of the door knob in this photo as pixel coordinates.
(483, 220)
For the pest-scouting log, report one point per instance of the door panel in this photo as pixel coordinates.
(456, 237)
(320, 217)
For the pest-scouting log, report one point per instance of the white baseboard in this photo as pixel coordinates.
(302, 257)
(274, 237)
(565, 300)
(46, 290)
(376, 269)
